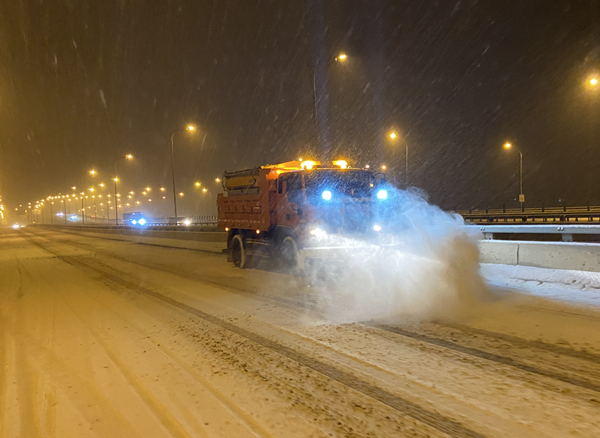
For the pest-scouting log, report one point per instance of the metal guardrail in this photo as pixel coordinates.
(566, 232)
(539, 214)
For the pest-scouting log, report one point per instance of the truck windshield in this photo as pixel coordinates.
(351, 183)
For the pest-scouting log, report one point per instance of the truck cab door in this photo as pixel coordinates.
(290, 198)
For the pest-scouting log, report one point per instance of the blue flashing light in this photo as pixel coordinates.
(326, 195)
(142, 221)
(134, 222)
(73, 217)
(382, 194)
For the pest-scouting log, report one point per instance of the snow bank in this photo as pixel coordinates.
(558, 284)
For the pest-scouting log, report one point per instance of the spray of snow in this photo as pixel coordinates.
(428, 269)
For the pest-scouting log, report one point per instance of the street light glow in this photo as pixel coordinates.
(190, 128)
(393, 135)
(383, 167)
(198, 184)
(507, 145)
(217, 179)
(92, 172)
(128, 156)
(593, 81)
(341, 57)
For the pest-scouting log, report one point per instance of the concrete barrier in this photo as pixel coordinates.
(552, 255)
(503, 253)
(208, 241)
(557, 255)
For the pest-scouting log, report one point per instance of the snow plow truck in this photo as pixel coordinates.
(296, 212)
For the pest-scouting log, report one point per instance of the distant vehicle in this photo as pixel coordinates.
(135, 218)
(292, 208)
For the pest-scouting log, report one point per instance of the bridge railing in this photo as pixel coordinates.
(531, 232)
(563, 214)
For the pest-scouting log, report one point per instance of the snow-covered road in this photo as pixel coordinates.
(106, 338)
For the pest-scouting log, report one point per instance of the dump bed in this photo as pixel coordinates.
(246, 203)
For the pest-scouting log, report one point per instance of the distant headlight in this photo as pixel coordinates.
(382, 194)
(326, 195)
(142, 221)
(377, 227)
(16, 226)
(187, 222)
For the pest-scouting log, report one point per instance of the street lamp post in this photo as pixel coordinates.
(82, 207)
(508, 146)
(394, 136)
(190, 128)
(116, 179)
(90, 172)
(320, 99)
(103, 204)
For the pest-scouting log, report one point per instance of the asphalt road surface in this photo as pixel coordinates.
(103, 338)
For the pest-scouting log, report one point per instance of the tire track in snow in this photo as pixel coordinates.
(405, 407)
(25, 378)
(528, 343)
(237, 412)
(503, 360)
(499, 359)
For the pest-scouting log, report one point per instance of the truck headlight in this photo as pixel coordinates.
(326, 195)
(377, 227)
(318, 232)
(382, 194)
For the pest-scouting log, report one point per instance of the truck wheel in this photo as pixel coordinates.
(238, 252)
(288, 255)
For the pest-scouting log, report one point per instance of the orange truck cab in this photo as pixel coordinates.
(291, 211)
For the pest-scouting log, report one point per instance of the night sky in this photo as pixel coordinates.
(83, 82)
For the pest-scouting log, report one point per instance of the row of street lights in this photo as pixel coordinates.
(508, 146)
(66, 199)
(342, 58)
(188, 128)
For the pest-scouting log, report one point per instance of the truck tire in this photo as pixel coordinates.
(238, 252)
(288, 255)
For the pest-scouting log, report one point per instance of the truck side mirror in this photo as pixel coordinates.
(380, 178)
